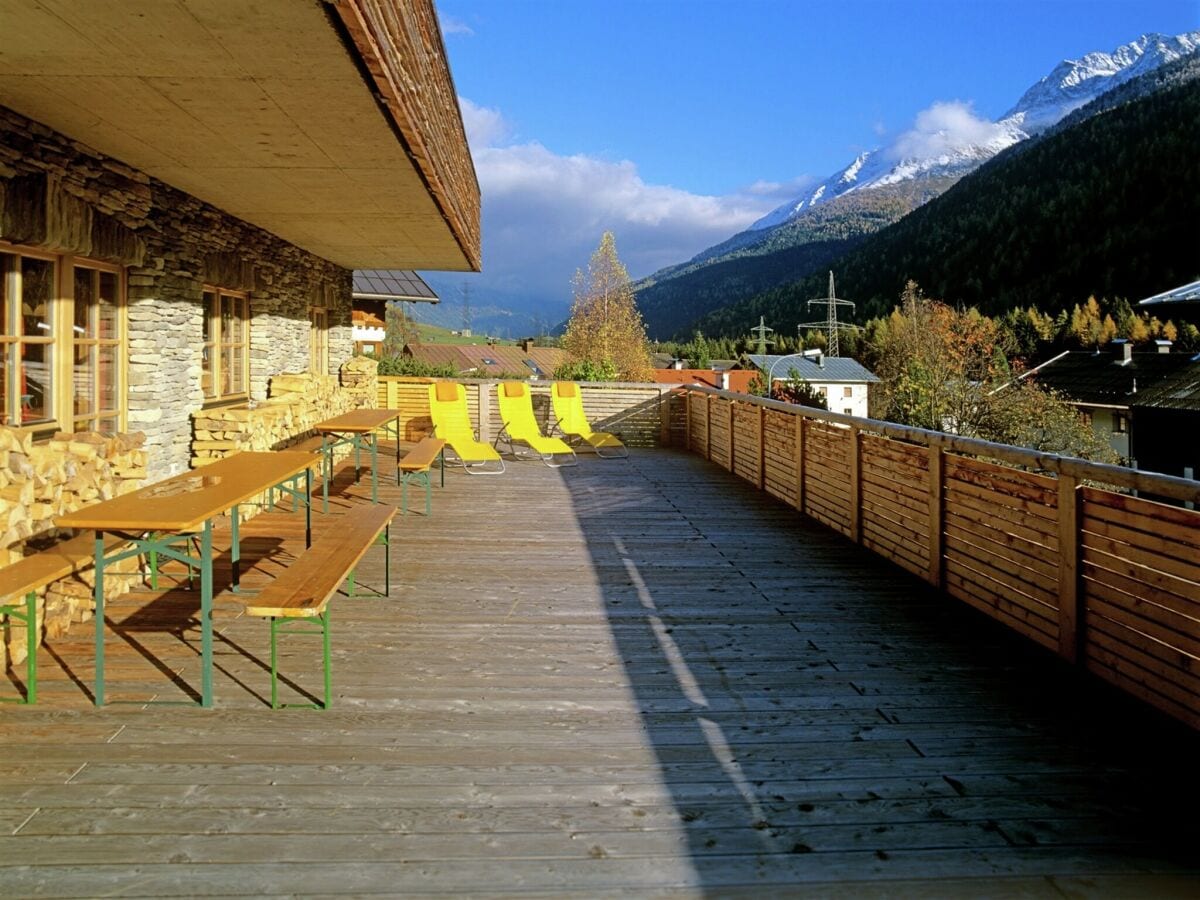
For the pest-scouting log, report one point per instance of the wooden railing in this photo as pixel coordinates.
(1058, 549)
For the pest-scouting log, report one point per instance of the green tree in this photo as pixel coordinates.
(605, 329)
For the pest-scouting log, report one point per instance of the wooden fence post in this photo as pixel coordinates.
(708, 426)
(855, 484)
(1068, 568)
(936, 487)
(799, 462)
(732, 403)
(664, 417)
(485, 413)
(687, 420)
(762, 448)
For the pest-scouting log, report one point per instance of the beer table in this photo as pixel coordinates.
(357, 429)
(162, 518)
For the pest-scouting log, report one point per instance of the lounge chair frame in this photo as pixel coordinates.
(520, 427)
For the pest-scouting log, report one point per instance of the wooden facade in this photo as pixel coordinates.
(1056, 549)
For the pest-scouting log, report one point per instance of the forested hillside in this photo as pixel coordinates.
(674, 298)
(1109, 207)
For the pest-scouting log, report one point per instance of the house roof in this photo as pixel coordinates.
(392, 284)
(830, 370)
(333, 125)
(485, 359)
(1102, 379)
(1188, 293)
(739, 379)
(1179, 390)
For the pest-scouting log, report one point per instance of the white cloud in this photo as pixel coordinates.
(544, 213)
(454, 25)
(485, 127)
(942, 129)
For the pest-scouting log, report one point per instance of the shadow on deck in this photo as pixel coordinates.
(633, 676)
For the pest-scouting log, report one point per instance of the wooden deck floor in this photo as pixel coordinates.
(633, 676)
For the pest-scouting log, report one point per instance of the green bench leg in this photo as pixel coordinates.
(421, 478)
(29, 615)
(304, 627)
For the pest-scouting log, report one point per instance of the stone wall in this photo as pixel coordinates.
(60, 195)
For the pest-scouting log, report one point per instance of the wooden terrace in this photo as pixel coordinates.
(632, 676)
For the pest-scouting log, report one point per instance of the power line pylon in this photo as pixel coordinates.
(761, 331)
(831, 326)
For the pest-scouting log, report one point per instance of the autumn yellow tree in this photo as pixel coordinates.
(605, 333)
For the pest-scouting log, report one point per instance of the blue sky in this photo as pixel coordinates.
(675, 124)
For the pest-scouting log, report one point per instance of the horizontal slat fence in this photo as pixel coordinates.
(1103, 578)
(640, 414)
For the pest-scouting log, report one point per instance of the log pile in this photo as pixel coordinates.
(296, 403)
(360, 378)
(47, 479)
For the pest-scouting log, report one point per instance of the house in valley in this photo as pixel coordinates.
(1107, 386)
(373, 290)
(843, 382)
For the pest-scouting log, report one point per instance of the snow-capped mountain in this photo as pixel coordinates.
(948, 139)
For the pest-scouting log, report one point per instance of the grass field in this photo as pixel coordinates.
(433, 334)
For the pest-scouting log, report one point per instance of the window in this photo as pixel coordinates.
(1120, 423)
(28, 339)
(62, 342)
(318, 341)
(824, 392)
(224, 357)
(96, 371)
(847, 391)
(848, 411)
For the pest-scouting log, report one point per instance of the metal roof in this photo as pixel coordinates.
(831, 369)
(392, 284)
(1188, 293)
(1102, 379)
(1178, 391)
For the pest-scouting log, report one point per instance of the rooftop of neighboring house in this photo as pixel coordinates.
(487, 359)
(1179, 390)
(392, 284)
(815, 368)
(1187, 293)
(738, 380)
(1117, 376)
(361, 318)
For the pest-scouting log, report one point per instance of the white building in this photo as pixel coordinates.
(844, 383)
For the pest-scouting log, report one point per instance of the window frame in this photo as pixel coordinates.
(318, 340)
(216, 346)
(62, 342)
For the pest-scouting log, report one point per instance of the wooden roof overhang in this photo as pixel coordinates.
(333, 125)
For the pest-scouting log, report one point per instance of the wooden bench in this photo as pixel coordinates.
(27, 576)
(415, 468)
(297, 601)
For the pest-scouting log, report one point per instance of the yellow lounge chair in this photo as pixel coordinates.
(568, 410)
(520, 426)
(448, 410)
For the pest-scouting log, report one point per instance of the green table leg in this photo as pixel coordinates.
(326, 472)
(374, 439)
(206, 623)
(235, 547)
(31, 646)
(307, 508)
(98, 596)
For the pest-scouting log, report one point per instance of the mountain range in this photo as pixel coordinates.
(882, 186)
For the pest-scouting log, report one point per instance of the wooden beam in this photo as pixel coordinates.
(1069, 619)
(762, 448)
(855, 461)
(936, 487)
(799, 462)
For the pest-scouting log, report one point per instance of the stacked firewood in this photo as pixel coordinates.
(44, 480)
(47, 479)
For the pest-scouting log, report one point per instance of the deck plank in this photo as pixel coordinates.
(635, 675)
